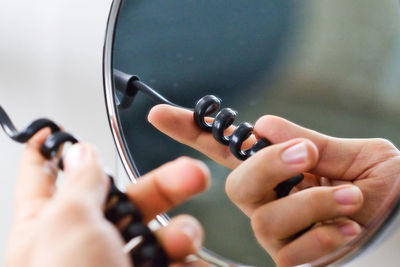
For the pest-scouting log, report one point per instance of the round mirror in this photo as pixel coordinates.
(330, 66)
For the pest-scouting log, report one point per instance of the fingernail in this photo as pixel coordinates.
(192, 229)
(349, 229)
(203, 167)
(349, 195)
(199, 164)
(77, 155)
(149, 115)
(50, 167)
(295, 154)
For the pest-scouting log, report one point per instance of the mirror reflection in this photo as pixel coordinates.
(330, 67)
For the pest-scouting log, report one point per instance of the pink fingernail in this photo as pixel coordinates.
(295, 154)
(77, 155)
(349, 229)
(349, 195)
(192, 230)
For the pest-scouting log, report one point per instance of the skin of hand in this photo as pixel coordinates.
(346, 182)
(65, 226)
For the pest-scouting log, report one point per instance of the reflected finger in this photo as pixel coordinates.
(319, 241)
(284, 218)
(310, 180)
(340, 159)
(178, 123)
(252, 183)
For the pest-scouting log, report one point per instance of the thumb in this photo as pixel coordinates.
(84, 179)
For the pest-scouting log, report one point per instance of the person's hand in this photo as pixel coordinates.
(347, 182)
(65, 226)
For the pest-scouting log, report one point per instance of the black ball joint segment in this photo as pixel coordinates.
(118, 208)
(127, 86)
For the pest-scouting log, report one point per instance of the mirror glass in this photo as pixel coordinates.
(331, 66)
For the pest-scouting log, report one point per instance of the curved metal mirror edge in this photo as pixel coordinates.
(113, 120)
(374, 235)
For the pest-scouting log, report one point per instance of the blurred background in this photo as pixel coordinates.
(337, 71)
(51, 66)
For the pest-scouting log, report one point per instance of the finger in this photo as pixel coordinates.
(309, 181)
(285, 217)
(182, 237)
(318, 242)
(178, 123)
(168, 186)
(36, 179)
(341, 159)
(251, 184)
(85, 180)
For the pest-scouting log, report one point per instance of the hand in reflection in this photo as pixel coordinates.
(66, 226)
(346, 182)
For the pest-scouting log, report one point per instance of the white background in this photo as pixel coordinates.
(51, 66)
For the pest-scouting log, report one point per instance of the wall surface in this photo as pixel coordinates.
(51, 66)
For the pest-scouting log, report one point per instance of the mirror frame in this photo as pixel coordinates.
(378, 229)
(114, 122)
